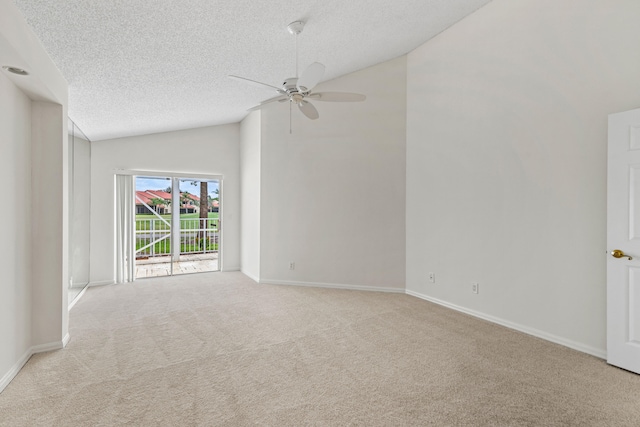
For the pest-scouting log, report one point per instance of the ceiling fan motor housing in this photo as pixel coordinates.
(291, 86)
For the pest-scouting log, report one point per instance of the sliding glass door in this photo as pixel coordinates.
(177, 227)
(153, 227)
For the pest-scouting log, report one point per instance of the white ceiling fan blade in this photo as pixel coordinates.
(337, 97)
(254, 82)
(310, 77)
(308, 109)
(280, 98)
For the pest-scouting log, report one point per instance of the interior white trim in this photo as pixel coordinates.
(11, 374)
(250, 276)
(77, 298)
(165, 174)
(102, 283)
(511, 325)
(332, 286)
(50, 346)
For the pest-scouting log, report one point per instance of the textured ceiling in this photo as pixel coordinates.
(145, 66)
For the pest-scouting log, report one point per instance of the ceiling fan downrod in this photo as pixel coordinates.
(296, 28)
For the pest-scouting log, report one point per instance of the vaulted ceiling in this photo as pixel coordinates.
(145, 66)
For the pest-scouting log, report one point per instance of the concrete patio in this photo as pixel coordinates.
(161, 265)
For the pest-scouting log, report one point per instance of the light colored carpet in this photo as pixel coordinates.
(218, 349)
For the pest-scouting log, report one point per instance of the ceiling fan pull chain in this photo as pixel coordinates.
(290, 132)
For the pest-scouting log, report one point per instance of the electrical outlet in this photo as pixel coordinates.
(475, 287)
(432, 277)
(292, 266)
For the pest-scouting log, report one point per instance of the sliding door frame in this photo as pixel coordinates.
(175, 180)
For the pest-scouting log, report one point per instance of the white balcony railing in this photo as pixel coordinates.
(197, 236)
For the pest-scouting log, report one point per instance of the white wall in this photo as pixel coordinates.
(250, 130)
(333, 191)
(15, 252)
(33, 306)
(506, 161)
(212, 150)
(49, 222)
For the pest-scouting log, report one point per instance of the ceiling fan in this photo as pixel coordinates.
(299, 91)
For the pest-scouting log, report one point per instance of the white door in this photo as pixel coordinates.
(623, 241)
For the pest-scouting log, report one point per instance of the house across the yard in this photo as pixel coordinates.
(160, 201)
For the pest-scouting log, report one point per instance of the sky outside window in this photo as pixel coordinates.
(146, 183)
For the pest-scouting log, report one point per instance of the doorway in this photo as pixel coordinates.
(177, 225)
(623, 241)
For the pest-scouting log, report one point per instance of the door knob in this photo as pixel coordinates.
(617, 253)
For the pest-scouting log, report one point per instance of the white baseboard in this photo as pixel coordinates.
(11, 374)
(102, 283)
(50, 346)
(521, 328)
(77, 298)
(250, 276)
(332, 286)
(66, 339)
